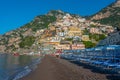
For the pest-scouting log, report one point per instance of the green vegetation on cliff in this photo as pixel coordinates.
(113, 20)
(110, 15)
(27, 42)
(89, 44)
(41, 22)
(97, 37)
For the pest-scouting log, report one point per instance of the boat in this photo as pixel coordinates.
(16, 54)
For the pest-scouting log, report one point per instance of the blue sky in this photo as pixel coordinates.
(15, 13)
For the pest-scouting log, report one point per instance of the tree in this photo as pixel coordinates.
(89, 44)
(27, 42)
(92, 25)
(86, 31)
(97, 37)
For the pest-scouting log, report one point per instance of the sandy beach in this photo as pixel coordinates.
(52, 68)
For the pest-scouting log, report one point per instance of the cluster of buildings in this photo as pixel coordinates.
(68, 32)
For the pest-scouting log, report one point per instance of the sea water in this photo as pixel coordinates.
(15, 67)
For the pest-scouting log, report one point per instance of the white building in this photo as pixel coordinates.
(81, 19)
(62, 34)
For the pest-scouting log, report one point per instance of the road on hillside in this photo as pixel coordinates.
(52, 68)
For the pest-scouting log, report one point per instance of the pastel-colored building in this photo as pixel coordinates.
(95, 31)
(54, 40)
(85, 38)
(63, 47)
(74, 31)
(77, 46)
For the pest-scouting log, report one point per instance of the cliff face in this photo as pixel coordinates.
(109, 15)
(117, 3)
(108, 11)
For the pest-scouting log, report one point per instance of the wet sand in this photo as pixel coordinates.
(52, 68)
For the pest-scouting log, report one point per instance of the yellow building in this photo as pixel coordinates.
(85, 38)
(53, 43)
(74, 31)
(64, 46)
(49, 41)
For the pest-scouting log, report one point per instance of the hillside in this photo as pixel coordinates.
(109, 15)
(24, 37)
(54, 30)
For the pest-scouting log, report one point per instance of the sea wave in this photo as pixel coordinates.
(25, 70)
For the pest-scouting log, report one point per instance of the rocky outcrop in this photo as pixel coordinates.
(109, 15)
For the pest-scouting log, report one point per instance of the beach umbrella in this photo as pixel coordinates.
(99, 51)
(83, 52)
(111, 50)
(117, 54)
(89, 51)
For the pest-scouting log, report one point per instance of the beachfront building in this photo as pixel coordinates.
(70, 47)
(77, 46)
(62, 47)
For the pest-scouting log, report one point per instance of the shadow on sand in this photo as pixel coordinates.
(110, 75)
